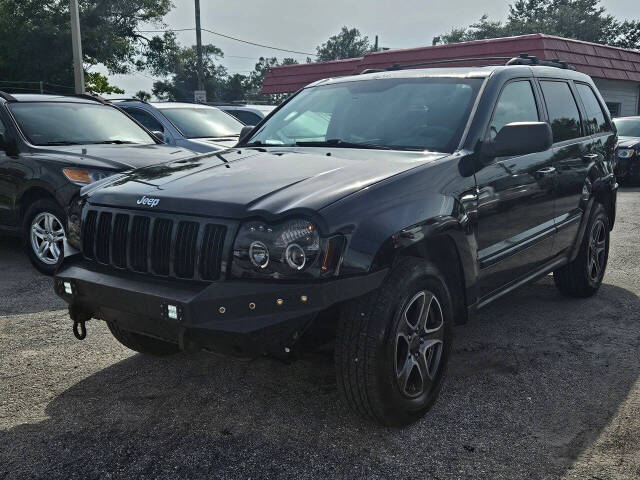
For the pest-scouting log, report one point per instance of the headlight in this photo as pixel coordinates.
(293, 248)
(74, 221)
(84, 177)
(626, 152)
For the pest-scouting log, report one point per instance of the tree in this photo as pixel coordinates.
(167, 58)
(39, 30)
(234, 88)
(580, 19)
(97, 83)
(255, 80)
(142, 95)
(349, 43)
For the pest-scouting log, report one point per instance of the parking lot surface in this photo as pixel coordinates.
(540, 386)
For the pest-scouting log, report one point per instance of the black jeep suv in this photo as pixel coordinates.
(387, 206)
(52, 145)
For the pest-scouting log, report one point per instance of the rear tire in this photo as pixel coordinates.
(142, 343)
(583, 276)
(43, 233)
(390, 370)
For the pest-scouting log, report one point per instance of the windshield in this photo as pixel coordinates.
(57, 123)
(396, 113)
(628, 127)
(203, 122)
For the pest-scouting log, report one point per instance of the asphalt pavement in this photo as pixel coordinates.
(539, 386)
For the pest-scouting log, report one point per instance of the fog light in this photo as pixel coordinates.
(259, 254)
(67, 288)
(172, 312)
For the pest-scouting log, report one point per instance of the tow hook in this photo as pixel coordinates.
(79, 330)
(79, 318)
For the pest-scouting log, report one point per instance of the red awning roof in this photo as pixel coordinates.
(600, 61)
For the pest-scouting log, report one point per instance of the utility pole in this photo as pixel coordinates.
(76, 40)
(375, 45)
(199, 47)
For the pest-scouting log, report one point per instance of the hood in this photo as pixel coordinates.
(115, 157)
(246, 182)
(628, 142)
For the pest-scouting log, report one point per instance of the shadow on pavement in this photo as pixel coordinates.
(24, 289)
(533, 381)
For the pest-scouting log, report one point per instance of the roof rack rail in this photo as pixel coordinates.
(526, 59)
(126, 99)
(7, 97)
(523, 59)
(438, 62)
(88, 96)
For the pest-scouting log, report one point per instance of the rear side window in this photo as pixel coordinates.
(516, 104)
(596, 121)
(563, 111)
(248, 118)
(145, 119)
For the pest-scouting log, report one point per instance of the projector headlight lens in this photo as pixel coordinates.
(287, 249)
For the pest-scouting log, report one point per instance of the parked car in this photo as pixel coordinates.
(248, 114)
(200, 128)
(425, 195)
(52, 145)
(628, 162)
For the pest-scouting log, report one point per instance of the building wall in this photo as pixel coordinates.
(624, 93)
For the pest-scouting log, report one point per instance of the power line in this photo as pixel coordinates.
(229, 37)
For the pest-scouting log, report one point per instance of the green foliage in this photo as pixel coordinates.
(142, 95)
(35, 36)
(180, 63)
(97, 83)
(349, 43)
(580, 19)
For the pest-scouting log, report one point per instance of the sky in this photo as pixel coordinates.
(302, 25)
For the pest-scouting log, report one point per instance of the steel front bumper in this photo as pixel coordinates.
(241, 317)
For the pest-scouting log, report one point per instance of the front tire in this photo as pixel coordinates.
(44, 233)
(394, 343)
(141, 343)
(583, 276)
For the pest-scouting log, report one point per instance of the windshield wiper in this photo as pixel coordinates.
(60, 143)
(337, 142)
(114, 142)
(258, 143)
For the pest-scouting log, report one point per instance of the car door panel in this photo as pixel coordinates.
(8, 183)
(516, 197)
(574, 155)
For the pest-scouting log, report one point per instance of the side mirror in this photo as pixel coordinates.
(245, 132)
(159, 135)
(519, 138)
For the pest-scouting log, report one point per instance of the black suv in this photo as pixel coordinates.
(52, 145)
(385, 208)
(628, 161)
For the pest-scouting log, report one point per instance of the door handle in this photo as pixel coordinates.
(590, 157)
(546, 171)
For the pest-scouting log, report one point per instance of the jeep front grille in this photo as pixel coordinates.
(154, 245)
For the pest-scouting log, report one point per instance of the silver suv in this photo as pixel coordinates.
(201, 128)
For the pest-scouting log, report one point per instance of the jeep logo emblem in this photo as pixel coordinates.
(151, 202)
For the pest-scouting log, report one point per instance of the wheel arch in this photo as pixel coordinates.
(31, 195)
(447, 248)
(606, 194)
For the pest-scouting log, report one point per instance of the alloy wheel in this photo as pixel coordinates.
(419, 344)
(47, 236)
(597, 250)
